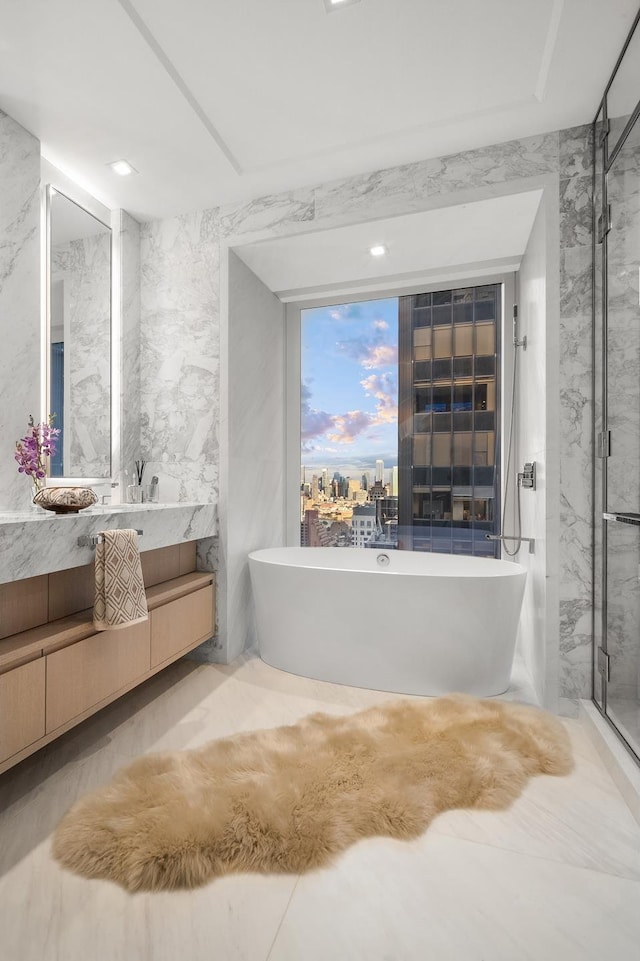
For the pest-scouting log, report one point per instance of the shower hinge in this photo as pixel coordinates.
(604, 223)
(603, 444)
(604, 664)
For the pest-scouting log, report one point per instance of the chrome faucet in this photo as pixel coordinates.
(523, 540)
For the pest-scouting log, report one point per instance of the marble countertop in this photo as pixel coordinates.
(39, 542)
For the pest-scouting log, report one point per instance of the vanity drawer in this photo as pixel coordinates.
(79, 677)
(21, 707)
(178, 625)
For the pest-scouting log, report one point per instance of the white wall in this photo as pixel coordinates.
(530, 445)
(252, 444)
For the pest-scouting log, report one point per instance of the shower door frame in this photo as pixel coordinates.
(600, 385)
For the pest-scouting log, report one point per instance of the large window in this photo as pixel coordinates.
(400, 422)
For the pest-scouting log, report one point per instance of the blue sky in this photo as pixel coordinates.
(350, 385)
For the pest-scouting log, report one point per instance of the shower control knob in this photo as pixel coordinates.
(529, 476)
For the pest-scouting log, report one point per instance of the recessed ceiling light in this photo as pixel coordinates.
(332, 5)
(122, 167)
(378, 250)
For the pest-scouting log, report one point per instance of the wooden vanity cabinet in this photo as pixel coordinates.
(22, 701)
(55, 674)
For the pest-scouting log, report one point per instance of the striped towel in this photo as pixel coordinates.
(120, 599)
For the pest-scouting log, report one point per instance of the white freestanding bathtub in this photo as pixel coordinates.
(414, 623)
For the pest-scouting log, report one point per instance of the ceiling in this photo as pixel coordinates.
(216, 101)
(467, 239)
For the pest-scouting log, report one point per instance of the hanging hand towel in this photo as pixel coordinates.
(120, 599)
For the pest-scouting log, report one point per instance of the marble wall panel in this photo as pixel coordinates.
(378, 194)
(180, 351)
(19, 301)
(278, 213)
(499, 163)
(420, 185)
(575, 414)
(575, 151)
(575, 211)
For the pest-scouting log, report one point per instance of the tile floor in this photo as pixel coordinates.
(555, 878)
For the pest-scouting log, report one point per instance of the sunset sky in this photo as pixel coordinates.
(350, 385)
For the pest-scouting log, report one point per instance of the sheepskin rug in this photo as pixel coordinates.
(290, 798)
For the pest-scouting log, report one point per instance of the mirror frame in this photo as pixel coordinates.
(54, 180)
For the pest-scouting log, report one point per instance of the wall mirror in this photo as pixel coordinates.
(79, 338)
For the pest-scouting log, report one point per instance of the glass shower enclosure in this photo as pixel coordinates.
(616, 345)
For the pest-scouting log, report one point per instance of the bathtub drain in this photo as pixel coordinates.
(383, 560)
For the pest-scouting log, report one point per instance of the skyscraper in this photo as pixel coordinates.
(448, 453)
(380, 471)
(394, 481)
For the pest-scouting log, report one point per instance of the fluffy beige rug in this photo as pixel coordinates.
(290, 798)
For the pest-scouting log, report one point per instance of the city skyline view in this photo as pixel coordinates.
(349, 387)
(428, 361)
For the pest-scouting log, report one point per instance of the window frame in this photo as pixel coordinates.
(293, 356)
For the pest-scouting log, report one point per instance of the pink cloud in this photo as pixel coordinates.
(383, 388)
(381, 355)
(346, 427)
(315, 423)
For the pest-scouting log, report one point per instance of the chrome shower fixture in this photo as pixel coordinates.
(516, 342)
(528, 476)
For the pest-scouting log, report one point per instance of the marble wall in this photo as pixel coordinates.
(180, 330)
(575, 416)
(83, 267)
(19, 301)
(180, 355)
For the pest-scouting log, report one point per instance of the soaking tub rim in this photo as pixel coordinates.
(502, 568)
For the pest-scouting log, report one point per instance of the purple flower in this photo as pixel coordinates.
(38, 443)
